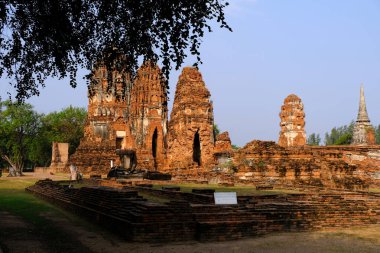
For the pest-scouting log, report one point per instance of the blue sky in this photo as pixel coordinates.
(320, 50)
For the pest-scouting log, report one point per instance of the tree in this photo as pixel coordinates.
(313, 139)
(26, 133)
(19, 126)
(235, 146)
(377, 134)
(340, 136)
(41, 38)
(62, 126)
(216, 130)
(65, 126)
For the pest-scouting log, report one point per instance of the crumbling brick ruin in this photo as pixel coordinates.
(292, 123)
(133, 118)
(266, 163)
(148, 118)
(108, 113)
(124, 116)
(328, 167)
(59, 156)
(194, 216)
(223, 151)
(223, 143)
(292, 162)
(191, 137)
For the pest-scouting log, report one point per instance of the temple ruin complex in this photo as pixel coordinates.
(134, 120)
(128, 125)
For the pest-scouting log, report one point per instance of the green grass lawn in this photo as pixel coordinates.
(15, 200)
(32, 210)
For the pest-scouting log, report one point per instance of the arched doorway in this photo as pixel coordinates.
(197, 149)
(154, 147)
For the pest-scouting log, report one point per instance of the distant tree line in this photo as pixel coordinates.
(339, 136)
(26, 136)
(313, 140)
(217, 131)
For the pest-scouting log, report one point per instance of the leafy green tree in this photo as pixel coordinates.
(62, 126)
(40, 150)
(216, 130)
(65, 126)
(19, 126)
(340, 135)
(26, 137)
(344, 139)
(377, 134)
(41, 38)
(314, 139)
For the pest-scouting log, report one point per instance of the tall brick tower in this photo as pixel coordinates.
(191, 137)
(292, 123)
(149, 117)
(104, 130)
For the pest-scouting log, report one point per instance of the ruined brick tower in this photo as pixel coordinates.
(149, 117)
(363, 133)
(292, 123)
(133, 119)
(191, 138)
(107, 116)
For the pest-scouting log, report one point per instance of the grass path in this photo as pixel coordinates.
(23, 225)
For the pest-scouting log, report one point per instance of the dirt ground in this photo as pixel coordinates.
(80, 236)
(82, 239)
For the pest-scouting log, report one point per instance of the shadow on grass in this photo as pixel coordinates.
(16, 201)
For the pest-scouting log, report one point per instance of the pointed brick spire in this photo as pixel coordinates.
(362, 114)
(363, 132)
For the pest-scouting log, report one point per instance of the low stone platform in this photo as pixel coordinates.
(124, 212)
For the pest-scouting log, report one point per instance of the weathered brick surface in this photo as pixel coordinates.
(136, 118)
(60, 156)
(149, 117)
(191, 136)
(107, 113)
(133, 117)
(266, 163)
(292, 123)
(223, 143)
(270, 163)
(136, 219)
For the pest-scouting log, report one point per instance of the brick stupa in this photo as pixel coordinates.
(107, 116)
(292, 123)
(149, 117)
(191, 136)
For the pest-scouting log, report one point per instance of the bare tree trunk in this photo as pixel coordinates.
(14, 170)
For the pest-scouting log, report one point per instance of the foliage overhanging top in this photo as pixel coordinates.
(41, 38)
